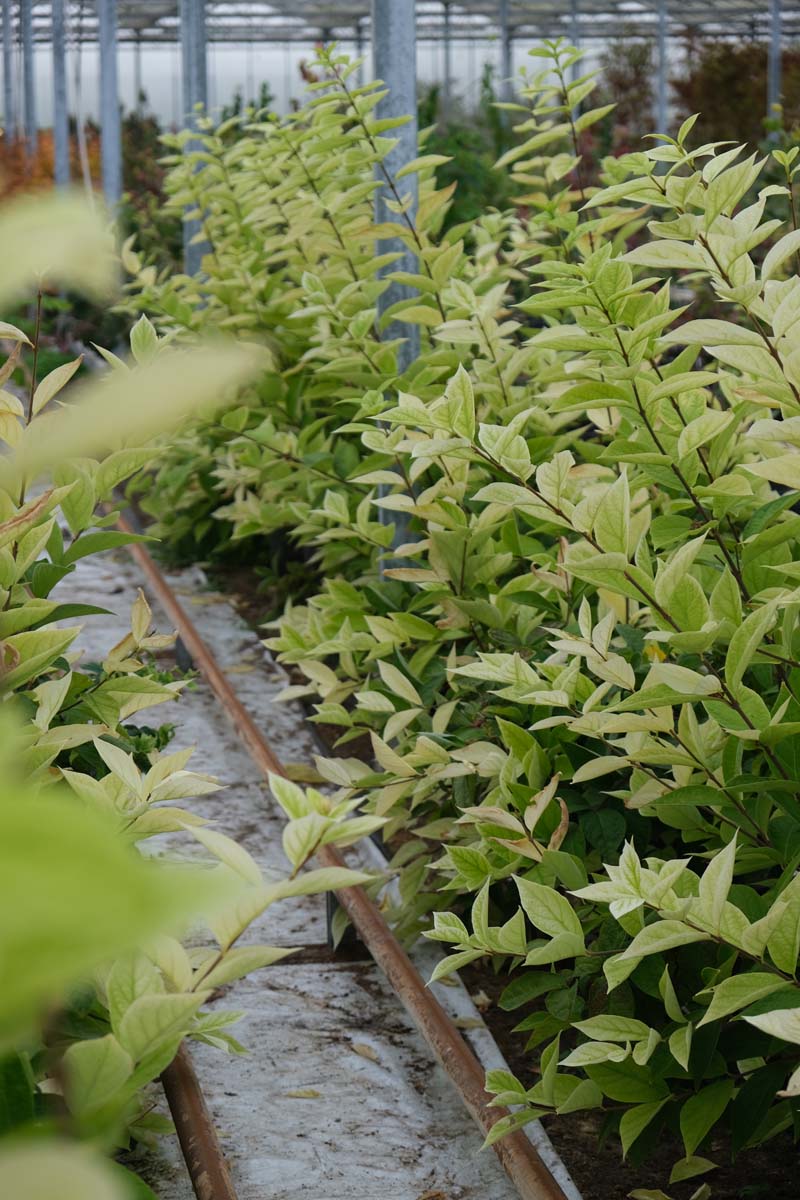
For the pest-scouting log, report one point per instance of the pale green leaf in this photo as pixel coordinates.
(52, 384)
(782, 1023)
(701, 1112)
(548, 910)
(96, 1070)
(662, 936)
(738, 991)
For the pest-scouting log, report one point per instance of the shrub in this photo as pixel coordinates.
(287, 216)
(726, 82)
(21, 173)
(628, 71)
(587, 652)
(142, 211)
(469, 142)
(98, 990)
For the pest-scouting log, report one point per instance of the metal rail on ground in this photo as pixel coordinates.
(205, 1162)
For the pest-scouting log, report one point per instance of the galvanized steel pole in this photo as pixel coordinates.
(447, 82)
(394, 53)
(663, 58)
(506, 64)
(394, 48)
(60, 100)
(110, 118)
(137, 75)
(195, 93)
(10, 115)
(193, 56)
(774, 64)
(28, 78)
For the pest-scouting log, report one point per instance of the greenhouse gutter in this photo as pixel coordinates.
(517, 1153)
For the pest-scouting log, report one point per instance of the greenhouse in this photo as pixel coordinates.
(400, 600)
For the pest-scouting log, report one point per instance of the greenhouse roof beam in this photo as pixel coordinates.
(307, 21)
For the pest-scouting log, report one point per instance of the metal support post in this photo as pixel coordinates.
(110, 117)
(506, 64)
(394, 49)
(60, 100)
(10, 114)
(29, 78)
(447, 81)
(662, 115)
(138, 103)
(774, 64)
(395, 62)
(195, 93)
(250, 82)
(575, 41)
(193, 57)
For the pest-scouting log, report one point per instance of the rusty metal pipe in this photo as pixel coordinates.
(517, 1155)
(194, 1125)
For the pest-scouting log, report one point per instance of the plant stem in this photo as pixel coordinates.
(34, 373)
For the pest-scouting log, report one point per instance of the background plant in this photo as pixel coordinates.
(628, 71)
(310, 296)
(737, 71)
(470, 141)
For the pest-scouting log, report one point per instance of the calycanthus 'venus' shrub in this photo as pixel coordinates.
(286, 216)
(589, 653)
(98, 990)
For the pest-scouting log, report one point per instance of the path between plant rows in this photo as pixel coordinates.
(375, 1116)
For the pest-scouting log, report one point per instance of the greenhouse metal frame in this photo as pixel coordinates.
(389, 28)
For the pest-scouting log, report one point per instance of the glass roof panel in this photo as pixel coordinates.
(310, 21)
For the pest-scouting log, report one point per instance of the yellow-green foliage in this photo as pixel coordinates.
(589, 652)
(98, 990)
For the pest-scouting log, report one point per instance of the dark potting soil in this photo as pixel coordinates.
(595, 1161)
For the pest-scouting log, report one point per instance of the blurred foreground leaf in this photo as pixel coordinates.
(72, 894)
(37, 1170)
(131, 407)
(51, 240)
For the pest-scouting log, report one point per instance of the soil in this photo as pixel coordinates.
(593, 1160)
(243, 588)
